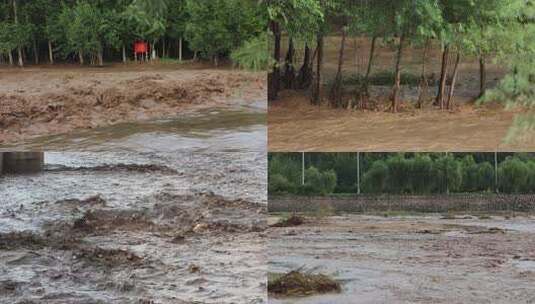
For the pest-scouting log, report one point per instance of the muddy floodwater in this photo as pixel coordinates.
(240, 127)
(419, 259)
(135, 227)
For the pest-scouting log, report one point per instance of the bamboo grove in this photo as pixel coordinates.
(82, 31)
(490, 30)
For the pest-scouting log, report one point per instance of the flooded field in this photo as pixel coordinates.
(296, 125)
(132, 227)
(412, 259)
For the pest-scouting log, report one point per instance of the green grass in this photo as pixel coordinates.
(170, 60)
(383, 78)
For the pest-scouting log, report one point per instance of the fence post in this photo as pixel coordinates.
(302, 168)
(496, 172)
(447, 185)
(358, 172)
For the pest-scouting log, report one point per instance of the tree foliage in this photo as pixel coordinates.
(402, 173)
(83, 29)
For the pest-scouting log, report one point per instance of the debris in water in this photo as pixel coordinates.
(142, 168)
(293, 220)
(296, 283)
(194, 268)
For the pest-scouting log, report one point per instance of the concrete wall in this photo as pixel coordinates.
(413, 203)
(22, 162)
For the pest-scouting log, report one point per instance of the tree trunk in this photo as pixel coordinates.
(10, 56)
(443, 77)
(305, 73)
(274, 78)
(397, 85)
(482, 76)
(289, 70)
(153, 50)
(50, 52)
(100, 57)
(423, 80)
(370, 60)
(336, 90)
(163, 47)
(35, 52)
(216, 60)
(19, 48)
(124, 53)
(316, 96)
(81, 56)
(180, 49)
(365, 93)
(454, 78)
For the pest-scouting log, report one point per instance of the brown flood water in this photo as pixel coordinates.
(413, 259)
(129, 227)
(236, 128)
(295, 125)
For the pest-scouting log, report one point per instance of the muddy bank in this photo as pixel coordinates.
(135, 228)
(438, 203)
(411, 259)
(52, 101)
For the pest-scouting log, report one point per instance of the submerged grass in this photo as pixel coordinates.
(385, 78)
(297, 283)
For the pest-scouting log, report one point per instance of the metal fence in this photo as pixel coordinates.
(496, 172)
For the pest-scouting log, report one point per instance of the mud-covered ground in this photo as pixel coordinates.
(412, 259)
(296, 125)
(135, 228)
(55, 100)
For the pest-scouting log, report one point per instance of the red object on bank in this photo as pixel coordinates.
(141, 47)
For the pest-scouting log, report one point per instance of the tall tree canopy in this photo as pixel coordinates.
(92, 31)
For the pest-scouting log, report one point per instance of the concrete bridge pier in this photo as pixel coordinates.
(21, 162)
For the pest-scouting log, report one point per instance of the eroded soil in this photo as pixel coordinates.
(416, 259)
(135, 228)
(44, 101)
(295, 125)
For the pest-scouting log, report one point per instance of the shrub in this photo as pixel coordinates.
(317, 182)
(279, 184)
(253, 54)
(374, 180)
(485, 176)
(448, 174)
(422, 174)
(399, 174)
(513, 175)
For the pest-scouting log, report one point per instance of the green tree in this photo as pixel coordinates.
(150, 20)
(448, 174)
(486, 176)
(317, 182)
(216, 27)
(375, 179)
(512, 175)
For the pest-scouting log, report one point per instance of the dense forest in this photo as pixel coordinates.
(401, 173)
(82, 31)
(499, 31)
